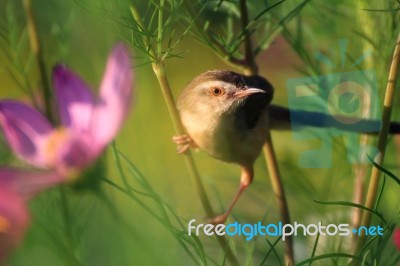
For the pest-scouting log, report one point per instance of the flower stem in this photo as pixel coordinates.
(37, 52)
(382, 138)
(269, 151)
(65, 213)
(47, 97)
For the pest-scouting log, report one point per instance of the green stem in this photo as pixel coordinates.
(47, 97)
(37, 52)
(124, 180)
(117, 161)
(65, 213)
(382, 138)
(160, 27)
(269, 151)
(179, 129)
(159, 71)
(252, 68)
(277, 187)
(164, 220)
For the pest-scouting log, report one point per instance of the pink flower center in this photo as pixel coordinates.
(55, 142)
(5, 225)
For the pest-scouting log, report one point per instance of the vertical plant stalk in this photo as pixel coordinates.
(159, 71)
(36, 49)
(358, 190)
(382, 138)
(47, 97)
(269, 151)
(277, 187)
(251, 66)
(366, 23)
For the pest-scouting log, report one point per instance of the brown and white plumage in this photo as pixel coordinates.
(226, 115)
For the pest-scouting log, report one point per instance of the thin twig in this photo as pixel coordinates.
(277, 186)
(268, 149)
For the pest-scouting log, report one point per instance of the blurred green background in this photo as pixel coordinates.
(113, 230)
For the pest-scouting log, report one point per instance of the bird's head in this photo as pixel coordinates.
(222, 92)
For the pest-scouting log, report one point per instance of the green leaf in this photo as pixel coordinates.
(351, 204)
(327, 256)
(390, 174)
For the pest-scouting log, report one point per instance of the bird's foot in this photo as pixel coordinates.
(184, 143)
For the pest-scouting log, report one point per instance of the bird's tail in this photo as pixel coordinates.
(281, 119)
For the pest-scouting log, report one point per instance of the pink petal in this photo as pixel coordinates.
(14, 221)
(28, 184)
(396, 238)
(16, 187)
(115, 97)
(74, 98)
(25, 130)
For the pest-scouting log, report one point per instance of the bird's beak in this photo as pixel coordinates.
(246, 92)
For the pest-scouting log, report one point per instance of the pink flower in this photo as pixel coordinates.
(396, 238)
(87, 124)
(16, 188)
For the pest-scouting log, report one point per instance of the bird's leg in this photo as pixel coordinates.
(245, 180)
(184, 143)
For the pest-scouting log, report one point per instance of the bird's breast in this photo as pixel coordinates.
(225, 137)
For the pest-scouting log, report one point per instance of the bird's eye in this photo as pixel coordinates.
(216, 91)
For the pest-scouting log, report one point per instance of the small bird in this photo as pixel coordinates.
(228, 115)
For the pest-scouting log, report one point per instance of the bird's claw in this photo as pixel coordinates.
(184, 143)
(182, 139)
